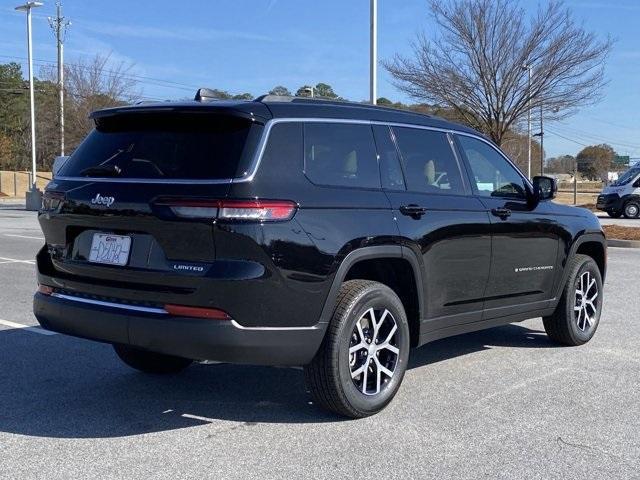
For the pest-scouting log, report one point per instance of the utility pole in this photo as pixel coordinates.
(541, 143)
(59, 25)
(373, 52)
(575, 182)
(527, 67)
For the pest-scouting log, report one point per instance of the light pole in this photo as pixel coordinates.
(373, 53)
(527, 67)
(34, 197)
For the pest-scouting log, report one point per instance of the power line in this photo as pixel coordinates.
(602, 140)
(593, 136)
(140, 78)
(612, 124)
(566, 138)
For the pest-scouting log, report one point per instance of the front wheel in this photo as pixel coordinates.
(614, 213)
(150, 362)
(631, 210)
(577, 315)
(364, 355)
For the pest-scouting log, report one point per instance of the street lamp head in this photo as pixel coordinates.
(29, 5)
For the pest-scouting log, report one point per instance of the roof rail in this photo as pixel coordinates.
(322, 100)
(333, 101)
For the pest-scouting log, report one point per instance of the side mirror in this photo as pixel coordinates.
(58, 163)
(545, 188)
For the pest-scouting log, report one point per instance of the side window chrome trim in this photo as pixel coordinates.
(249, 175)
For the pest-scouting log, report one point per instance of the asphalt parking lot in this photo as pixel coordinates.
(503, 403)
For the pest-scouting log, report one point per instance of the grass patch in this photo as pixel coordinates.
(621, 233)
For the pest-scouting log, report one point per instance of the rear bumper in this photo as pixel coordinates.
(195, 338)
(609, 202)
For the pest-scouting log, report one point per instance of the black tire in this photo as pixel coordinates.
(150, 362)
(565, 325)
(614, 213)
(328, 377)
(631, 209)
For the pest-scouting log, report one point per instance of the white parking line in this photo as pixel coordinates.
(28, 328)
(23, 236)
(13, 260)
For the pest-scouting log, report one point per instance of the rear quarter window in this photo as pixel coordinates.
(340, 154)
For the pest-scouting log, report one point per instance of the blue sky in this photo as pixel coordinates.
(253, 45)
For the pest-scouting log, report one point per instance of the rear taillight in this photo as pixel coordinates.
(242, 210)
(51, 200)
(193, 208)
(256, 210)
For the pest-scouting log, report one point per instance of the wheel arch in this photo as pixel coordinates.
(386, 264)
(593, 245)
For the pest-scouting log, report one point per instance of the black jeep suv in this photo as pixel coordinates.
(329, 235)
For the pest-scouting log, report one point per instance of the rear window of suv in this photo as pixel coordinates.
(166, 146)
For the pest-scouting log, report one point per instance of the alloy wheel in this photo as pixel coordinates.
(373, 351)
(586, 304)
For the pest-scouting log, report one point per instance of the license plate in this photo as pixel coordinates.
(110, 249)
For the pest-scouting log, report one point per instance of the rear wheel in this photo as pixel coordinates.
(632, 209)
(362, 360)
(150, 362)
(577, 315)
(614, 213)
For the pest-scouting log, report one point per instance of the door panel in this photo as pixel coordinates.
(524, 239)
(525, 249)
(448, 229)
(453, 240)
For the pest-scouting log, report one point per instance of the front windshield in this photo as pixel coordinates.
(627, 176)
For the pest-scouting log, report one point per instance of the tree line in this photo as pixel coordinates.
(592, 162)
(89, 85)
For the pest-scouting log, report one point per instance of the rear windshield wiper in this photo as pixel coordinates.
(102, 170)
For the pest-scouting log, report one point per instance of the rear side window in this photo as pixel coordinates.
(166, 146)
(340, 154)
(429, 163)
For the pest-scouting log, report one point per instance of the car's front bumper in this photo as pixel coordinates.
(195, 338)
(609, 202)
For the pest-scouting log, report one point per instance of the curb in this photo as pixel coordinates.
(623, 243)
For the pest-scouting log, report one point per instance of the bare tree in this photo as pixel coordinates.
(94, 84)
(475, 65)
(515, 145)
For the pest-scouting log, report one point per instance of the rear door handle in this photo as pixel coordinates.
(413, 210)
(503, 213)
